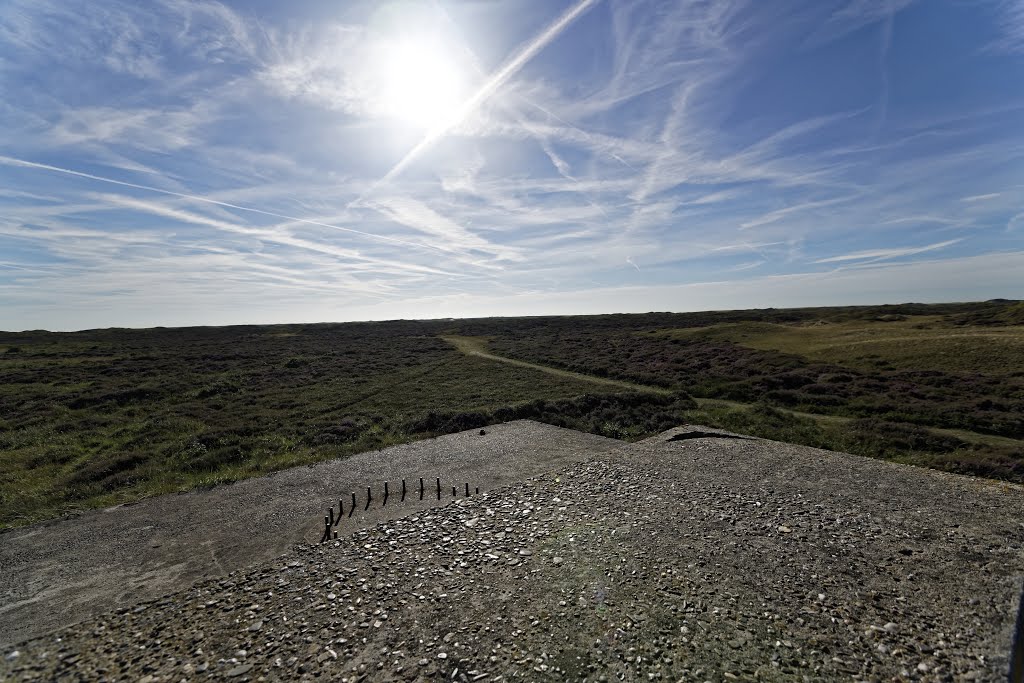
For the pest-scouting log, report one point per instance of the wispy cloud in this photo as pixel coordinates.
(980, 197)
(445, 233)
(1011, 22)
(235, 157)
(879, 254)
(144, 129)
(779, 214)
(206, 200)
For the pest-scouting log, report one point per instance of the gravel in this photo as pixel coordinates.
(59, 572)
(702, 559)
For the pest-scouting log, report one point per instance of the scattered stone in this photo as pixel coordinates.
(239, 670)
(638, 581)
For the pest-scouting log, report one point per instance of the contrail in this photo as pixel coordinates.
(488, 88)
(11, 161)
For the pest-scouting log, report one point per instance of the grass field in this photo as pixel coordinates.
(918, 343)
(99, 417)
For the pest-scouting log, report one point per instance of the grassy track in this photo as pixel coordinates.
(476, 346)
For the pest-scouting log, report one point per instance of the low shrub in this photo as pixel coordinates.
(106, 474)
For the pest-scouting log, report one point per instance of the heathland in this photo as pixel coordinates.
(99, 417)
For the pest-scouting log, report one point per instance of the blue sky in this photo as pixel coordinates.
(173, 162)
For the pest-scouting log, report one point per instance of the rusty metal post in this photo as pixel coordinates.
(1017, 646)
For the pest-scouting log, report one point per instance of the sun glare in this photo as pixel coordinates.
(420, 84)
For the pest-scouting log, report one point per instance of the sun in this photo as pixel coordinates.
(419, 83)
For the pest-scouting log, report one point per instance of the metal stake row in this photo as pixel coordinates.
(331, 521)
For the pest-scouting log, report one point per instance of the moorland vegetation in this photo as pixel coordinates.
(99, 417)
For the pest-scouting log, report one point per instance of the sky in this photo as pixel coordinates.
(179, 162)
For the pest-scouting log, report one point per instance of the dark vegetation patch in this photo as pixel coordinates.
(697, 434)
(898, 442)
(105, 416)
(618, 416)
(995, 313)
(714, 368)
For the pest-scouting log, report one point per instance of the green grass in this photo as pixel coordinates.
(917, 343)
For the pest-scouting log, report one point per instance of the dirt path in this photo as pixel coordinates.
(476, 346)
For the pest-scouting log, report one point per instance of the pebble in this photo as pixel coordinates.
(239, 670)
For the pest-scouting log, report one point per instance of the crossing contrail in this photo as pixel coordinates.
(11, 161)
(511, 67)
